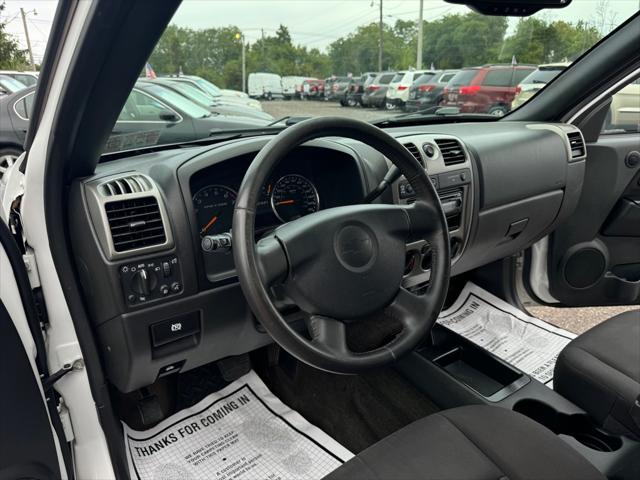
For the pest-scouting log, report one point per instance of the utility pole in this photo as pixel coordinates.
(419, 57)
(381, 45)
(26, 34)
(244, 68)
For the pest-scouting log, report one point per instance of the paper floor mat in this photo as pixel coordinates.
(241, 432)
(526, 342)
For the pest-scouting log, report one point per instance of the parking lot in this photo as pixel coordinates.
(315, 108)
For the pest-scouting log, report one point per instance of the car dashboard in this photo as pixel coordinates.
(160, 303)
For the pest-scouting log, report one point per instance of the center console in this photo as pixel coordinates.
(448, 165)
(454, 372)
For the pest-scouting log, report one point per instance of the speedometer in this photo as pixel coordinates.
(214, 209)
(294, 196)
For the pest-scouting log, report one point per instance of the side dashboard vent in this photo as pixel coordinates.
(413, 150)
(451, 150)
(577, 144)
(135, 223)
(125, 185)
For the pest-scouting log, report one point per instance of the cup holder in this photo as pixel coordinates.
(578, 426)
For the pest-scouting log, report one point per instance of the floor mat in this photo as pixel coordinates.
(528, 343)
(241, 432)
(356, 410)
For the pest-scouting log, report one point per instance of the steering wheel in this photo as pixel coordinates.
(344, 264)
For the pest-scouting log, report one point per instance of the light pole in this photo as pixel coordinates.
(380, 44)
(240, 36)
(419, 57)
(26, 34)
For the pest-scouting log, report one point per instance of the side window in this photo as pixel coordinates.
(498, 78)
(624, 111)
(520, 75)
(23, 106)
(446, 77)
(140, 107)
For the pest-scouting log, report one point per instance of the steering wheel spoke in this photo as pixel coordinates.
(328, 334)
(272, 261)
(424, 219)
(409, 309)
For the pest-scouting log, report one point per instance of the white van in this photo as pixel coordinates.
(265, 85)
(292, 86)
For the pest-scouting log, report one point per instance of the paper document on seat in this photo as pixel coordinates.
(241, 432)
(528, 343)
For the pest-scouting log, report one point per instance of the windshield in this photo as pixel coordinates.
(208, 87)
(175, 100)
(193, 93)
(10, 84)
(542, 76)
(262, 62)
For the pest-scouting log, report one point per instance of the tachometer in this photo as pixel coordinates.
(294, 196)
(214, 209)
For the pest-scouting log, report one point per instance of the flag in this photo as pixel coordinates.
(513, 61)
(149, 73)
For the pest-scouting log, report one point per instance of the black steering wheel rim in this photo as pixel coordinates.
(274, 258)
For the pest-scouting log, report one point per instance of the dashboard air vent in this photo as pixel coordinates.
(125, 185)
(451, 150)
(135, 223)
(413, 150)
(577, 144)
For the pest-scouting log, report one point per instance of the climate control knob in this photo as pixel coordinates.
(144, 282)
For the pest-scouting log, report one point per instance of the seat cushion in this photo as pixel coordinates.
(600, 372)
(474, 442)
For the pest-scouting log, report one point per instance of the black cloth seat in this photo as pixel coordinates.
(600, 372)
(474, 442)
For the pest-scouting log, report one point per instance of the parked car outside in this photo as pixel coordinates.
(212, 90)
(292, 86)
(265, 85)
(398, 91)
(536, 81)
(153, 114)
(487, 89)
(27, 78)
(427, 90)
(353, 95)
(624, 111)
(313, 89)
(336, 87)
(375, 94)
(9, 85)
(217, 107)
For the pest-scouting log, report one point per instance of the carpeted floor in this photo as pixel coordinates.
(356, 410)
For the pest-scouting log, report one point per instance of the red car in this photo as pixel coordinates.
(486, 89)
(313, 88)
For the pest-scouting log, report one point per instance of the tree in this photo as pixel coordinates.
(12, 57)
(456, 41)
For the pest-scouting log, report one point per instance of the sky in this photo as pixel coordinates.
(312, 23)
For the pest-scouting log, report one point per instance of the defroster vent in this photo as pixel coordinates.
(135, 223)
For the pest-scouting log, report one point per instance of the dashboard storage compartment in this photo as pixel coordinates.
(473, 366)
(578, 426)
